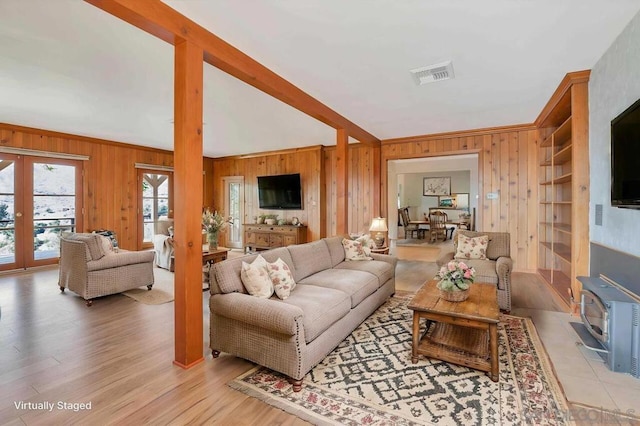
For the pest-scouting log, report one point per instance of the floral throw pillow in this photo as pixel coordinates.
(354, 250)
(367, 243)
(282, 278)
(472, 247)
(255, 278)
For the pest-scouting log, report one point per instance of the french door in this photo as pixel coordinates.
(234, 208)
(155, 201)
(39, 199)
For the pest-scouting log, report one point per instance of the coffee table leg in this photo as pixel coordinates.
(416, 337)
(493, 343)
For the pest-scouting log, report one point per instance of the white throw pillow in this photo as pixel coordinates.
(282, 278)
(353, 250)
(255, 278)
(472, 247)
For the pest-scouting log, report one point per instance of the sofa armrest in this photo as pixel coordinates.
(504, 265)
(444, 259)
(266, 313)
(385, 258)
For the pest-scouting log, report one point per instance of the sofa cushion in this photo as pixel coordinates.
(336, 250)
(255, 278)
(357, 284)
(321, 306)
(116, 260)
(281, 277)
(310, 258)
(485, 270)
(382, 270)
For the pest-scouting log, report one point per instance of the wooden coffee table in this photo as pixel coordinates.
(208, 259)
(463, 333)
(211, 257)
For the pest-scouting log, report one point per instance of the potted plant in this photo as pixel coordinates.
(455, 279)
(212, 225)
(270, 219)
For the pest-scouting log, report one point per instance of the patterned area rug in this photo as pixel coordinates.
(369, 379)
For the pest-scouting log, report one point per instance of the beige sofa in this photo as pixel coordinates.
(91, 267)
(496, 269)
(331, 298)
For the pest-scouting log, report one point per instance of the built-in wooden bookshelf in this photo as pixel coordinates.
(564, 187)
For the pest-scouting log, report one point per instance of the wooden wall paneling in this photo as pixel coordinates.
(307, 162)
(109, 187)
(342, 182)
(504, 166)
(533, 161)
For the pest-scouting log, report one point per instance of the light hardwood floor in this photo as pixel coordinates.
(118, 355)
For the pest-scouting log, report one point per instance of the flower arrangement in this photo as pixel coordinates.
(212, 223)
(455, 276)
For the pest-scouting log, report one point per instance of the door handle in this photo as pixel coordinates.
(18, 214)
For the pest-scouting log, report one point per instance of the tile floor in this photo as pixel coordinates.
(581, 372)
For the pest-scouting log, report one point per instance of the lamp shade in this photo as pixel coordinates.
(378, 224)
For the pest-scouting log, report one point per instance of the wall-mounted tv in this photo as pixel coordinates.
(281, 192)
(625, 158)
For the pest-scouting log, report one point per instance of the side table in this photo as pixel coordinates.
(380, 250)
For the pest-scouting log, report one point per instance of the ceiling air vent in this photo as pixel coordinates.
(433, 73)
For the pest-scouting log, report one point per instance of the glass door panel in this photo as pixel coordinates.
(155, 202)
(234, 202)
(7, 213)
(54, 207)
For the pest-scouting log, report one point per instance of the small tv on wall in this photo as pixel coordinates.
(280, 192)
(625, 158)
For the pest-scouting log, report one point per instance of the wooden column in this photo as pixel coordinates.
(342, 182)
(188, 203)
(380, 207)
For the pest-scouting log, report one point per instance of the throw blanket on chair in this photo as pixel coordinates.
(163, 246)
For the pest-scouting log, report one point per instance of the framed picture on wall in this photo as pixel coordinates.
(436, 186)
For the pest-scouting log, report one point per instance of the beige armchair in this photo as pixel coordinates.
(90, 267)
(496, 269)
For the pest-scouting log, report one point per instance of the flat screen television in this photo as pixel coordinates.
(625, 158)
(281, 192)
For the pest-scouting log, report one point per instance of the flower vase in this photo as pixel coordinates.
(212, 239)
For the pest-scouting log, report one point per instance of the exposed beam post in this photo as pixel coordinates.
(342, 182)
(188, 81)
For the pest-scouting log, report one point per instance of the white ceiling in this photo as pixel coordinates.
(67, 66)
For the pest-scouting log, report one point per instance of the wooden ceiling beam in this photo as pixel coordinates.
(159, 19)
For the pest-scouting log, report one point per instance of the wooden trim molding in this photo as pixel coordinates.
(157, 18)
(62, 135)
(275, 152)
(48, 154)
(461, 134)
(569, 80)
(154, 167)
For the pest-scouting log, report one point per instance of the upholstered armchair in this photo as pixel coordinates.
(495, 269)
(91, 267)
(163, 244)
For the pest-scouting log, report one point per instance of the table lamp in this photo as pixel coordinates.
(378, 225)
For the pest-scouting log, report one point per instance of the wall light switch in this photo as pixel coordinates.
(492, 195)
(599, 214)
